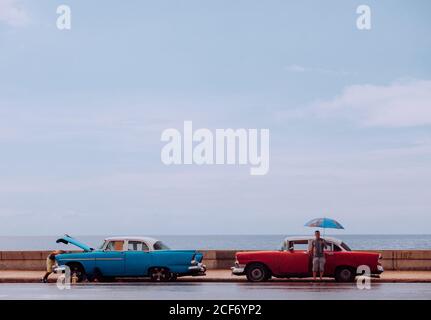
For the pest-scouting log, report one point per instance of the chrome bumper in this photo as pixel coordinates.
(379, 271)
(238, 270)
(198, 269)
(59, 269)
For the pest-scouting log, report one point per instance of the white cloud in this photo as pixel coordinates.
(302, 69)
(12, 13)
(400, 104)
(296, 68)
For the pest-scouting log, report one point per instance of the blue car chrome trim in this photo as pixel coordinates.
(75, 259)
(87, 259)
(199, 268)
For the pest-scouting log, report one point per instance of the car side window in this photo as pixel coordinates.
(329, 246)
(299, 245)
(115, 246)
(160, 246)
(137, 246)
(337, 248)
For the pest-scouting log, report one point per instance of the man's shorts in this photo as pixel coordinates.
(319, 264)
(49, 265)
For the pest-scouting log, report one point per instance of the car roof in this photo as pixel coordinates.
(296, 238)
(147, 240)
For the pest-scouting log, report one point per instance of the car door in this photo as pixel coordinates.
(138, 258)
(331, 254)
(110, 261)
(295, 260)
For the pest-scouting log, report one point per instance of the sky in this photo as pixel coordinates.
(82, 112)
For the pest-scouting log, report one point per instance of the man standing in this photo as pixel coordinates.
(317, 252)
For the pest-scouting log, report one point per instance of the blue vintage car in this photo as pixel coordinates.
(130, 257)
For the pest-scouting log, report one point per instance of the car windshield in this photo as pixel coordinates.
(160, 246)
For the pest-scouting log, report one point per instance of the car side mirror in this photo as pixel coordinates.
(291, 249)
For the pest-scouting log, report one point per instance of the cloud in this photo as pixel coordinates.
(12, 13)
(296, 68)
(302, 69)
(400, 104)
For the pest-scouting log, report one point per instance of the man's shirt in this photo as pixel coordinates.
(318, 247)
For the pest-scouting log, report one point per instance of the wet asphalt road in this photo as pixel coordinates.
(228, 291)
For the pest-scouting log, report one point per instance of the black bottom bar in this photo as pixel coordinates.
(207, 309)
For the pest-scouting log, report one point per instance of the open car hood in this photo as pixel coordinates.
(67, 239)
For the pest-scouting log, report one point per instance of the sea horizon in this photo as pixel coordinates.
(227, 241)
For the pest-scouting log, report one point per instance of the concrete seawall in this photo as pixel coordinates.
(398, 260)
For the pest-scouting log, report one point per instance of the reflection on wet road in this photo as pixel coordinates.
(229, 291)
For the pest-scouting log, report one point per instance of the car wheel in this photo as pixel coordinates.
(345, 274)
(76, 270)
(172, 276)
(257, 272)
(159, 274)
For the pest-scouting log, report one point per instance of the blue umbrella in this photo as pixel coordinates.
(324, 223)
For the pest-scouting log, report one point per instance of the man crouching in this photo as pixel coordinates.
(50, 263)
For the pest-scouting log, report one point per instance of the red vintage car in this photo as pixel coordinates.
(294, 261)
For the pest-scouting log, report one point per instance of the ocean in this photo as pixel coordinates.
(237, 242)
